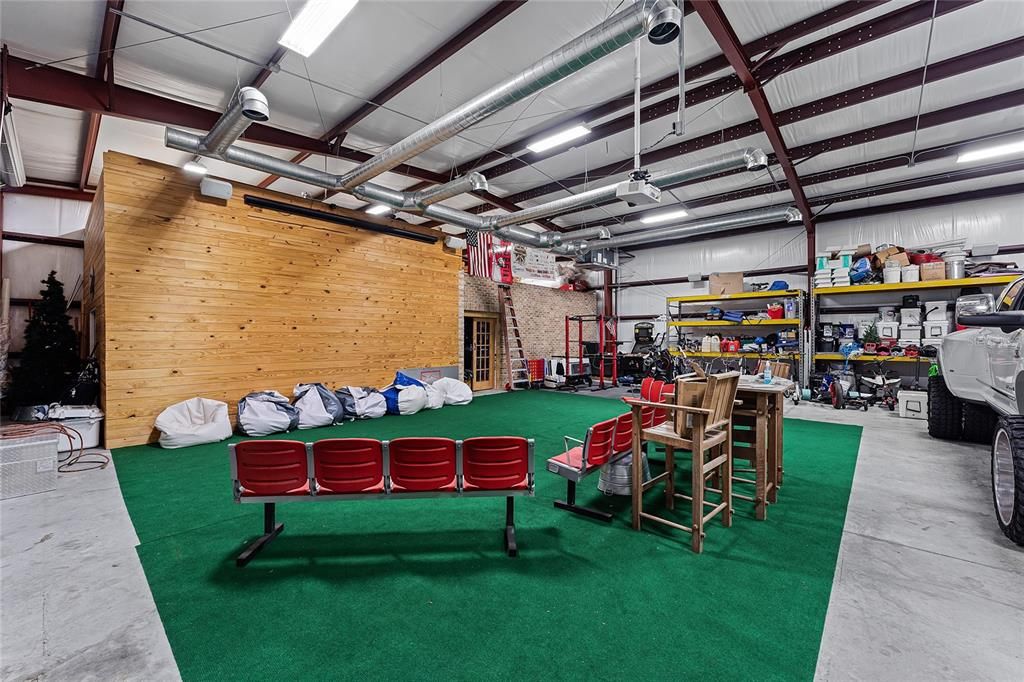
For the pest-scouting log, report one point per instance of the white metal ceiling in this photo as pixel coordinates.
(380, 40)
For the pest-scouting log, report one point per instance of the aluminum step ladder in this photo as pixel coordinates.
(515, 357)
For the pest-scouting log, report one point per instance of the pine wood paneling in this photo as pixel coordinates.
(213, 298)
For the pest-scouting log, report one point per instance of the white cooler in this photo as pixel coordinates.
(913, 404)
(86, 420)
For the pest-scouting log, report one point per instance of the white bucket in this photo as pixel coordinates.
(891, 275)
(911, 273)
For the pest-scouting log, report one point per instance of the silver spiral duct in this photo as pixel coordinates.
(659, 19)
(471, 182)
(249, 106)
(750, 159)
(691, 228)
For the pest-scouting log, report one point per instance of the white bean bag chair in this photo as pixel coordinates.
(435, 398)
(317, 405)
(455, 392)
(193, 422)
(411, 399)
(265, 412)
(369, 404)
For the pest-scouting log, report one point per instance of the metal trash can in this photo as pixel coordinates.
(617, 477)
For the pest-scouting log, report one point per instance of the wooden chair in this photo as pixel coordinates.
(782, 370)
(702, 425)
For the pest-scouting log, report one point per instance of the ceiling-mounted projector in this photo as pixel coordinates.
(638, 192)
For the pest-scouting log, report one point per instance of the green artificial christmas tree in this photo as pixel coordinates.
(49, 359)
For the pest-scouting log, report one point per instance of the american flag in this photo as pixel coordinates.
(479, 247)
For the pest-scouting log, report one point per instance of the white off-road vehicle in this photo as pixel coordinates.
(978, 394)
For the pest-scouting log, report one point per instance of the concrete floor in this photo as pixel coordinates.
(74, 602)
(926, 588)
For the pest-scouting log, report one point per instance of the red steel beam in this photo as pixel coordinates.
(471, 32)
(715, 20)
(104, 73)
(265, 72)
(49, 191)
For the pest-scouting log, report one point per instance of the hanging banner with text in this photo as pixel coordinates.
(530, 263)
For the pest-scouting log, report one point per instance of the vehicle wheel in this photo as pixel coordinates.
(836, 394)
(979, 423)
(945, 411)
(1008, 477)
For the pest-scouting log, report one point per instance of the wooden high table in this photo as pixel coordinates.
(760, 411)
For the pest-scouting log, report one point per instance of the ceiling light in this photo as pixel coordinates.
(195, 168)
(12, 166)
(989, 152)
(378, 209)
(662, 217)
(314, 23)
(558, 138)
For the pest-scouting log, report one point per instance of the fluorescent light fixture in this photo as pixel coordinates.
(662, 217)
(378, 209)
(990, 152)
(314, 23)
(195, 168)
(12, 166)
(558, 138)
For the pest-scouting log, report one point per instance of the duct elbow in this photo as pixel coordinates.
(476, 182)
(663, 22)
(793, 215)
(756, 159)
(253, 104)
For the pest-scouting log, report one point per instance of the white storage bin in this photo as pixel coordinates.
(910, 331)
(913, 404)
(87, 428)
(888, 330)
(936, 311)
(936, 329)
(911, 273)
(910, 316)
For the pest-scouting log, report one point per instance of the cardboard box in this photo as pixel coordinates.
(932, 271)
(721, 283)
(893, 252)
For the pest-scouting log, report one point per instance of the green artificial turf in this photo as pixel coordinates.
(422, 589)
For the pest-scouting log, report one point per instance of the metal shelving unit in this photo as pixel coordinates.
(682, 313)
(817, 293)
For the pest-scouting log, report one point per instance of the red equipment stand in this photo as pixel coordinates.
(606, 331)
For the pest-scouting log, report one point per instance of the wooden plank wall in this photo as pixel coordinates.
(217, 299)
(93, 279)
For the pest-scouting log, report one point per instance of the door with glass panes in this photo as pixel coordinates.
(481, 346)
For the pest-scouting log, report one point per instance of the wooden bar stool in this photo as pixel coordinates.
(702, 424)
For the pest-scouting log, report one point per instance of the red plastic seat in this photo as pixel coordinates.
(595, 451)
(419, 464)
(622, 440)
(495, 463)
(271, 467)
(348, 465)
(645, 388)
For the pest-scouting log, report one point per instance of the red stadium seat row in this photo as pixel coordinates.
(271, 471)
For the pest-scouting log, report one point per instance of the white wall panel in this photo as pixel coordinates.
(44, 215)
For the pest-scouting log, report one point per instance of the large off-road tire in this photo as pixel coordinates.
(1008, 477)
(945, 411)
(979, 423)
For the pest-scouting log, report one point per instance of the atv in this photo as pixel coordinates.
(978, 393)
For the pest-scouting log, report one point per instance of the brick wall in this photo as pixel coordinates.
(540, 312)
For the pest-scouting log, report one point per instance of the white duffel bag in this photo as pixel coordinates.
(455, 392)
(193, 422)
(369, 404)
(265, 412)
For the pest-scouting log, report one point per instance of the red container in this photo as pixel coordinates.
(536, 369)
(775, 311)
